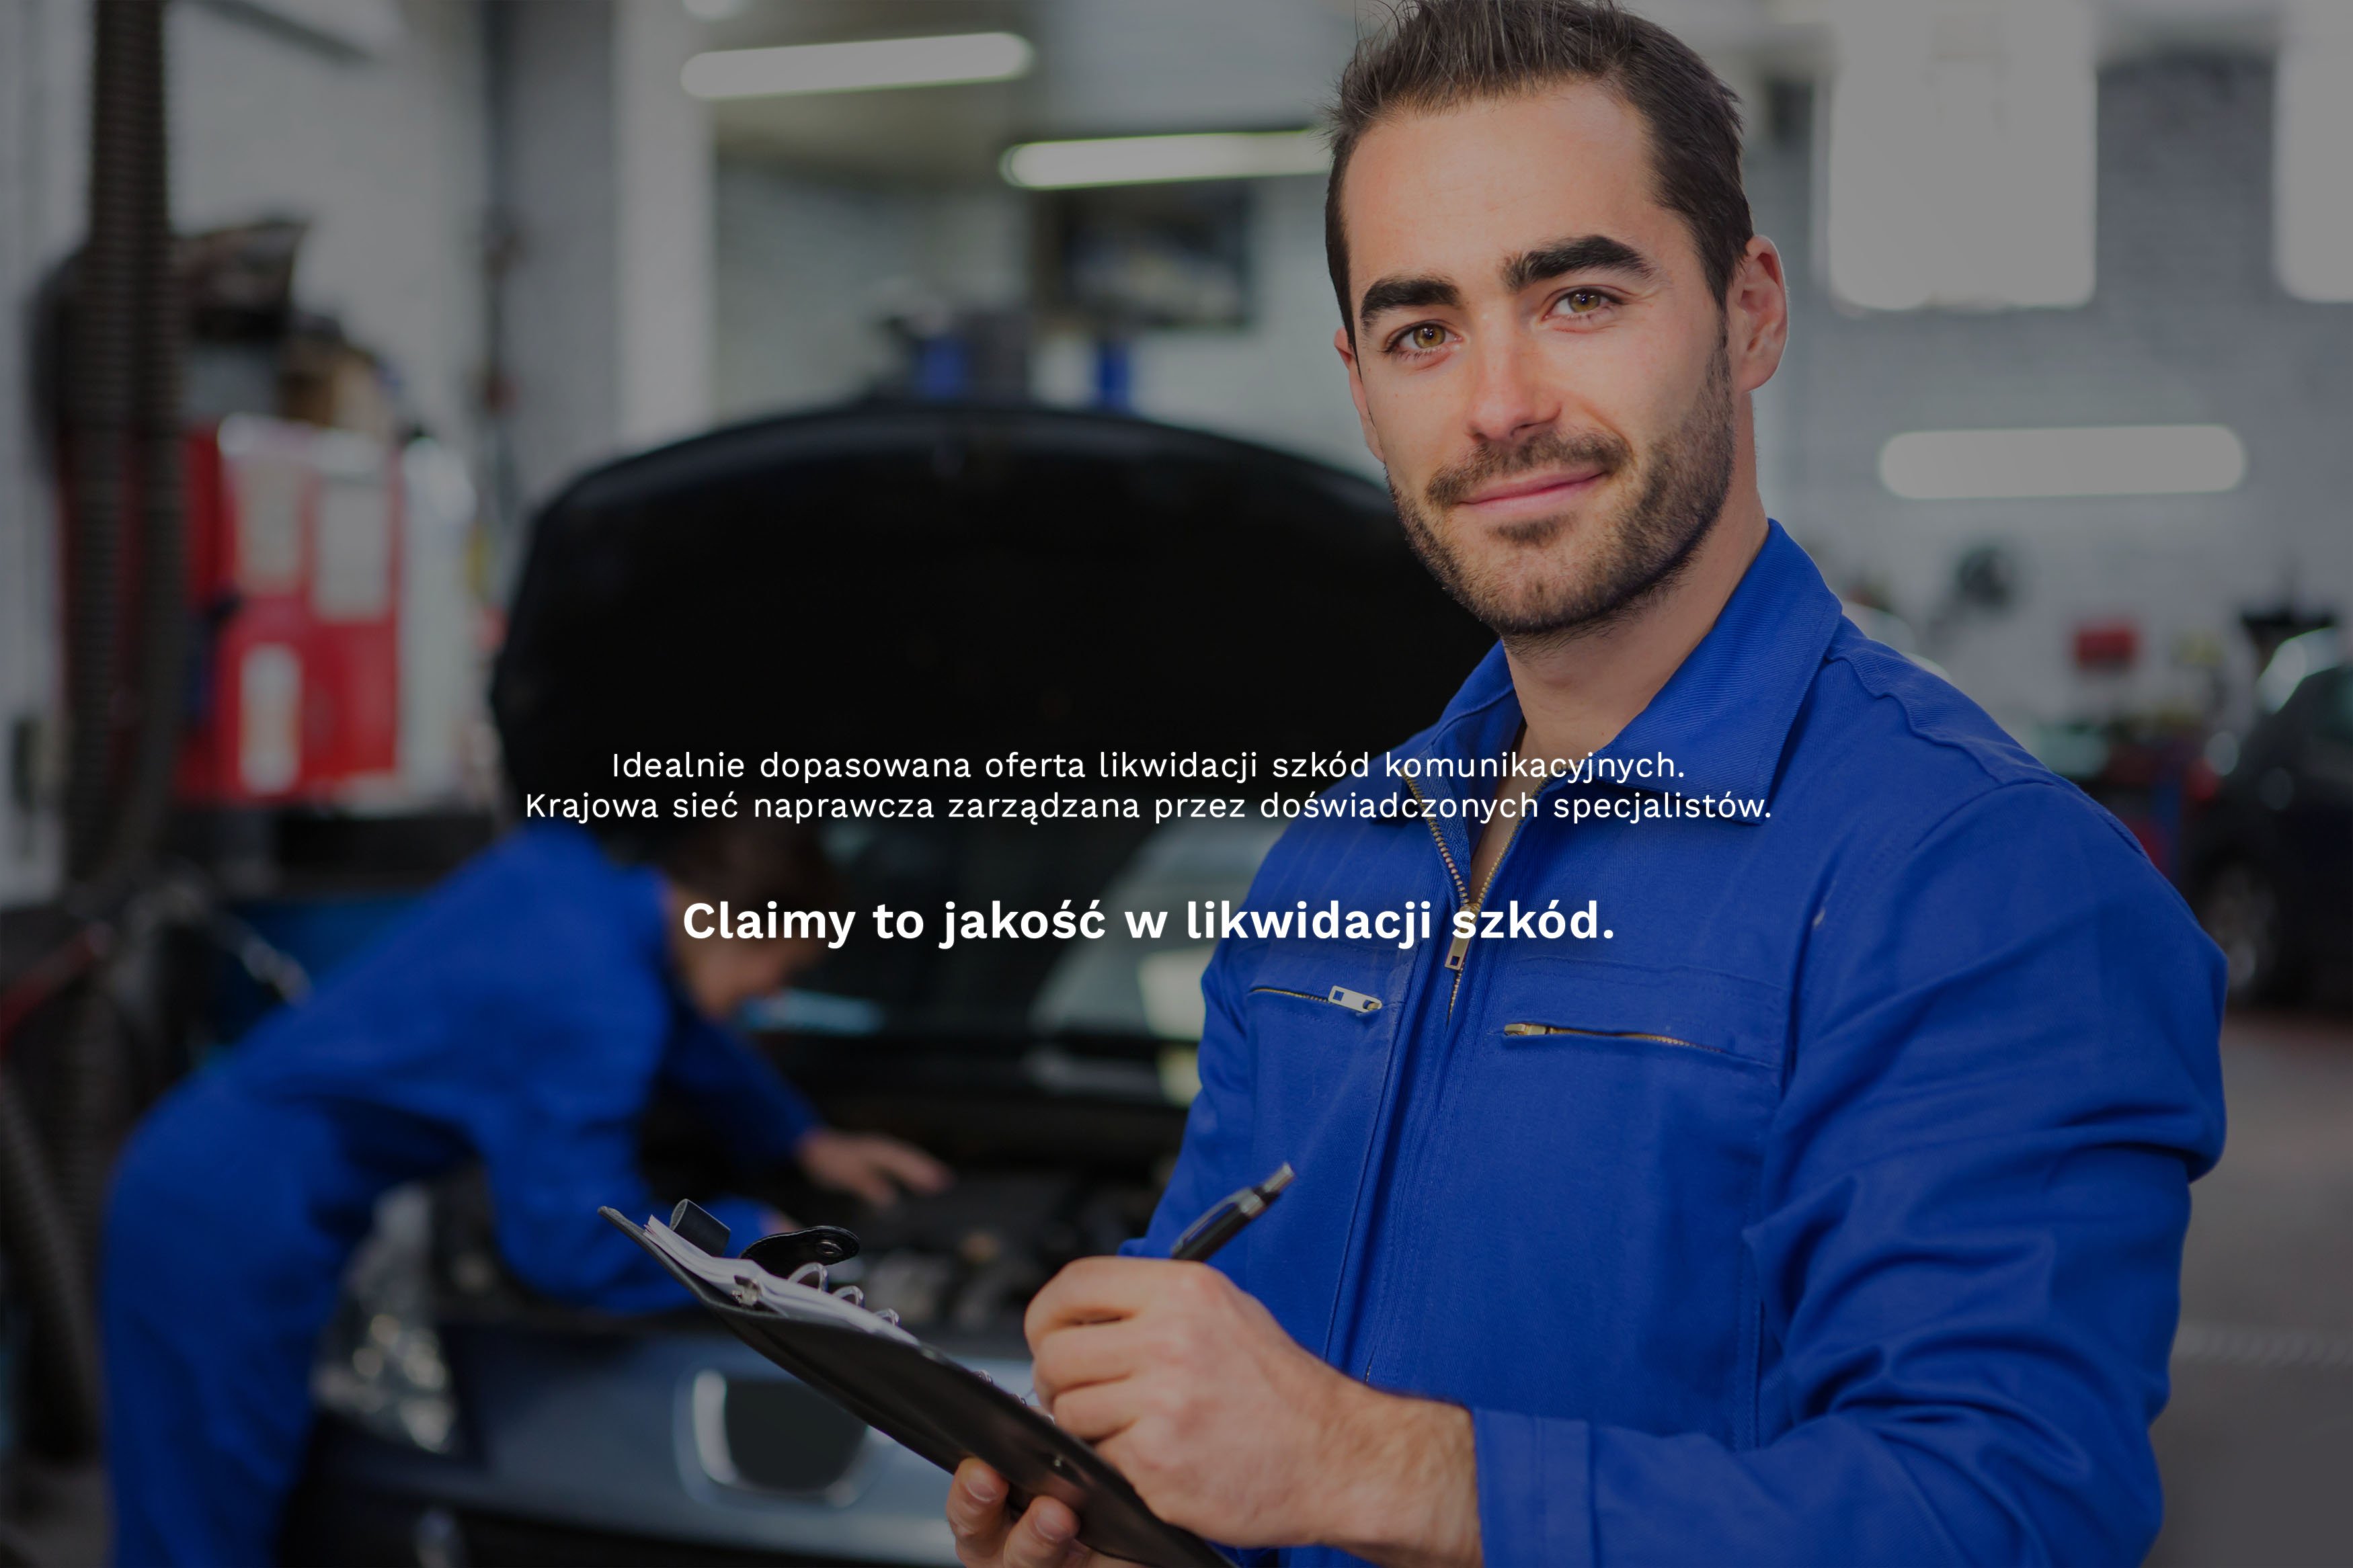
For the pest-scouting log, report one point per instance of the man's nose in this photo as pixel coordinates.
(1509, 399)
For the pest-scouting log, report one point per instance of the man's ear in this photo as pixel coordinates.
(1347, 352)
(1757, 315)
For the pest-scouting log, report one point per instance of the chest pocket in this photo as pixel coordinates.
(1563, 1004)
(1317, 984)
(1664, 1079)
(1321, 1021)
(1635, 1105)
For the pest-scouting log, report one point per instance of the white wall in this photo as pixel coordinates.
(661, 157)
(385, 155)
(809, 269)
(1277, 381)
(805, 270)
(1109, 65)
(2188, 325)
(556, 191)
(608, 312)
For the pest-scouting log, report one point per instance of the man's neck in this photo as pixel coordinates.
(1576, 693)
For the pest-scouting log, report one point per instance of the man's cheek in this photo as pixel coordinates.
(1411, 426)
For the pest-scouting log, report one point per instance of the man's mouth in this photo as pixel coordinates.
(1532, 495)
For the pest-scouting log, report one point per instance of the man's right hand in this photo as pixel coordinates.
(987, 1536)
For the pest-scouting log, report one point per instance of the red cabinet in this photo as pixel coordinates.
(294, 536)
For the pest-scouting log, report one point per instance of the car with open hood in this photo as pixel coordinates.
(1204, 627)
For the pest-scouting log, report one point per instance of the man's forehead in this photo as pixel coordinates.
(1460, 191)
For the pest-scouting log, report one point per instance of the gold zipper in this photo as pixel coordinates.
(1458, 951)
(1606, 1034)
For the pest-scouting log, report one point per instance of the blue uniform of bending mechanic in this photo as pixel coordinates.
(524, 1015)
(1826, 1206)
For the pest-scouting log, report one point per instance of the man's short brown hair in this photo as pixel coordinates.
(750, 861)
(1443, 53)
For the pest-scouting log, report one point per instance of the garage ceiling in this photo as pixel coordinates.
(1118, 65)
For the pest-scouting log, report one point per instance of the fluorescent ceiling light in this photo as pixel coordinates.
(1148, 159)
(2116, 460)
(1961, 153)
(857, 67)
(2312, 206)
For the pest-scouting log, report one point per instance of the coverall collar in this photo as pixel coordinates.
(1723, 718)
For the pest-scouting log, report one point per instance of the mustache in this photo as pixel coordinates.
(1454, 485)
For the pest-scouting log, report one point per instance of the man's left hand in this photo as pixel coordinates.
(1225, 1426)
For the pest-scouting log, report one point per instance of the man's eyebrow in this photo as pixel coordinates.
(1586, 253)
(1406, 294)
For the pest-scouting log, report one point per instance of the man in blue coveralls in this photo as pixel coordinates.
(524, 1015)
(1818, 1197)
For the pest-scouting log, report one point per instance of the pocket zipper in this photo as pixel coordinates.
(1607, 1035)
(1339, 996)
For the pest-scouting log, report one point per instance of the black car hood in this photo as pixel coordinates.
(966, 580)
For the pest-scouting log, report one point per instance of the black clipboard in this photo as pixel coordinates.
(942, 1410)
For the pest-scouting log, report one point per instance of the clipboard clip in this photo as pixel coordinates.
(784, 1255)
(788, 1251)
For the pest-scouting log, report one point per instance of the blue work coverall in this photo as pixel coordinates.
(1823, 1205)
(523, 1015)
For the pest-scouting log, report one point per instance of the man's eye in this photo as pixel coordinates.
(1582, 302)
(1428, 336)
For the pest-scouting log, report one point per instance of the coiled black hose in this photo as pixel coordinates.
(124, 394)
(130, 100)
(100, 376)
(122, 433)
(156, 405)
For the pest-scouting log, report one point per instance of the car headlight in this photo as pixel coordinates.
(380, 1365)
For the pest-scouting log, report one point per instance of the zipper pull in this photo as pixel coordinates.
(1456, 953)
(1355, 1001)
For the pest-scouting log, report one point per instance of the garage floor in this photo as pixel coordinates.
(2257, 1447)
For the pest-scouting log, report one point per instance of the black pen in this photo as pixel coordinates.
(1225, 1222)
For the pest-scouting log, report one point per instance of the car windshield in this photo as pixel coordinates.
(1139, 978)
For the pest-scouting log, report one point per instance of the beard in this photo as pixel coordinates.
(1637, 552)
